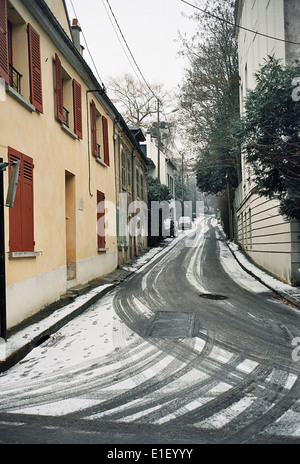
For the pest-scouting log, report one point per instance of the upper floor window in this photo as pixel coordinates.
(123, 169)
(21, 71)
(99, 129)
(138, 185)
(68, 99)
(96, 123)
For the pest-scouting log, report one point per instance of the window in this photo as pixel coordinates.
(142, 186)
(105, 140)
(123, 169)
(21, 223)
(68, 99)
(129, 173)
(137, 183)
(4, 59)
(35, 70)
(96, 130)
(101, 219)
(77, 109)
(21, 71)
(170, 183)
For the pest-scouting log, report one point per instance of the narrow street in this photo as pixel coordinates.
(189, 349)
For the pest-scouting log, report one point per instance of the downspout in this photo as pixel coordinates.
(2, 261)
(133, 193)
(116, 121)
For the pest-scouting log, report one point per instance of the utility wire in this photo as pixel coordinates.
(238, 26)
(123, 48)
(87, 47)
(128, 48)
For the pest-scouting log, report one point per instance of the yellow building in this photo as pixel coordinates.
(57, 120)
(132, 199)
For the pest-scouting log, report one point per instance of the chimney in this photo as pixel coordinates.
(76, 35)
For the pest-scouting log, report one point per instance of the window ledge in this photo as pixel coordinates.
(101, 162)
(24, 254)
(69, 131)
(102, 250)
(17, 96)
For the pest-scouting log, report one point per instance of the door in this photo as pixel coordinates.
(70, 225)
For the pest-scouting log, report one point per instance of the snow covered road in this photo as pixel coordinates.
(189, 349)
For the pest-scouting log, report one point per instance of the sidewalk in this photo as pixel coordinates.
(282, 290)
(23, 338)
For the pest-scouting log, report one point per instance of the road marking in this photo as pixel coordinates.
(222, 418)
(57, 408)
(221, 355)
(247, 366)
(186, 408)
(287, 425)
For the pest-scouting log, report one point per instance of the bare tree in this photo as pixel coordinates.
(138, 104)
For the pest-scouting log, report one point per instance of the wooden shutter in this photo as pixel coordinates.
(4, 64)
(94, 129)
(21, 220)
(59, 90)
(105, 140)
(77, 109)
(35, 69)
(100, 219)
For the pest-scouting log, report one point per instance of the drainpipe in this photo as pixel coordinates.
(2, 261)
(133, 192)
(116, 121)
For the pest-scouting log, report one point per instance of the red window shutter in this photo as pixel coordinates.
(59, 90)
(77, 109)
(100, 219)
(94, 128)
(15, 223)
(105, 140)
(27, 205)
(4, 64)
(21, 220)
(35, 69)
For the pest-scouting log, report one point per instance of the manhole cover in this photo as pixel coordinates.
(171, 324)
(211, 296)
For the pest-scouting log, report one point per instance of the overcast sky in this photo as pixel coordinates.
(150, 28)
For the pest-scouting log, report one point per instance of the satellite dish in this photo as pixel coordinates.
(13, 183)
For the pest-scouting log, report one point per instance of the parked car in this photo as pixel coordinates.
(169, 228)
(185, 222)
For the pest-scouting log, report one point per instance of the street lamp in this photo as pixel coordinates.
(10, 200)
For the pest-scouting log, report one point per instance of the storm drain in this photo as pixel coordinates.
(172, 324)
(211, 296)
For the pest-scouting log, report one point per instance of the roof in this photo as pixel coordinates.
(138, 133)
(45, 17)
(169, 161)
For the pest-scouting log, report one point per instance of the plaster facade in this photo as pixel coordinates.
(268, 238)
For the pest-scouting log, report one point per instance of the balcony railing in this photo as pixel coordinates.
(66, 114)
(15, 79)
(99, 150)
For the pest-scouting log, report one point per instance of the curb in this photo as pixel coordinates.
(282, 295)
(20, 353)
